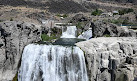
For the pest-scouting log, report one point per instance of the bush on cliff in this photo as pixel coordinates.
(45, 37)
(97, 12)
(123, 22)
(125, 11)
(64, 15)
(16, 77)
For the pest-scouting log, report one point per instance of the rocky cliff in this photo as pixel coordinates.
(14, 36)
(101, 28)
(111, 59)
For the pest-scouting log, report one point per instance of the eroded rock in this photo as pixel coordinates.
(101, 29)
(14, 36)
(111, 59)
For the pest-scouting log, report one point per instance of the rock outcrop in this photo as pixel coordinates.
(111, 59)
(101, 28)
(13, 37)
(79, 18)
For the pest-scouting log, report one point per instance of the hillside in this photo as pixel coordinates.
(68, 6)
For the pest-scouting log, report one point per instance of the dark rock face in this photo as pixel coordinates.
(13, 37)
(111, 59)
(79, 18)
(82, 23)
(101, 28)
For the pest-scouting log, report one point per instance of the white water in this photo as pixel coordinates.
(70, 32)
(52, 63)
(86, 35)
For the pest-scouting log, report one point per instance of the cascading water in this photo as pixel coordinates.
(52, 63)
(70, 32)
(86, 35)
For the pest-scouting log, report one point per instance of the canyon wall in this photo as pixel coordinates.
(111, 59)
(14, 36)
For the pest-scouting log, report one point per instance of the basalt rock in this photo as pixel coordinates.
(79, 18)
(111, 59)
(101, 29)
(14, 36)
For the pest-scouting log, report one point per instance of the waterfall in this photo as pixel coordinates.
(86, 35)
(70, 32)
(52, 63)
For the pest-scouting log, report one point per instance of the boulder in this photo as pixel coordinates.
(14, 36)
(111, 59)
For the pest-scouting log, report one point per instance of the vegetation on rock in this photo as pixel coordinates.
(97, 12)
(64, 15)
(45, 37)
(125, 11)
(107, 35)
(120, 22)
(16, 77)
(11, 19)
(79, 24)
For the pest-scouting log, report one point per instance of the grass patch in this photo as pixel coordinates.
(16, 77)
(45, 37)
(107, 35)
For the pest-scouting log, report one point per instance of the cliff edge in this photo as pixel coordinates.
(111, 59)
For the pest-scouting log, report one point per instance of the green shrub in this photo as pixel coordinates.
(132, 24)
(118, 21)
(124, 11)
(16, 77)
(115, 13)
(58, 15)
(79, 25)
(125, 22)
(96, 12)
(130, 10)
(45, 37)
(11, 19)
(107, 35)
(65, 15)
(94, 20)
